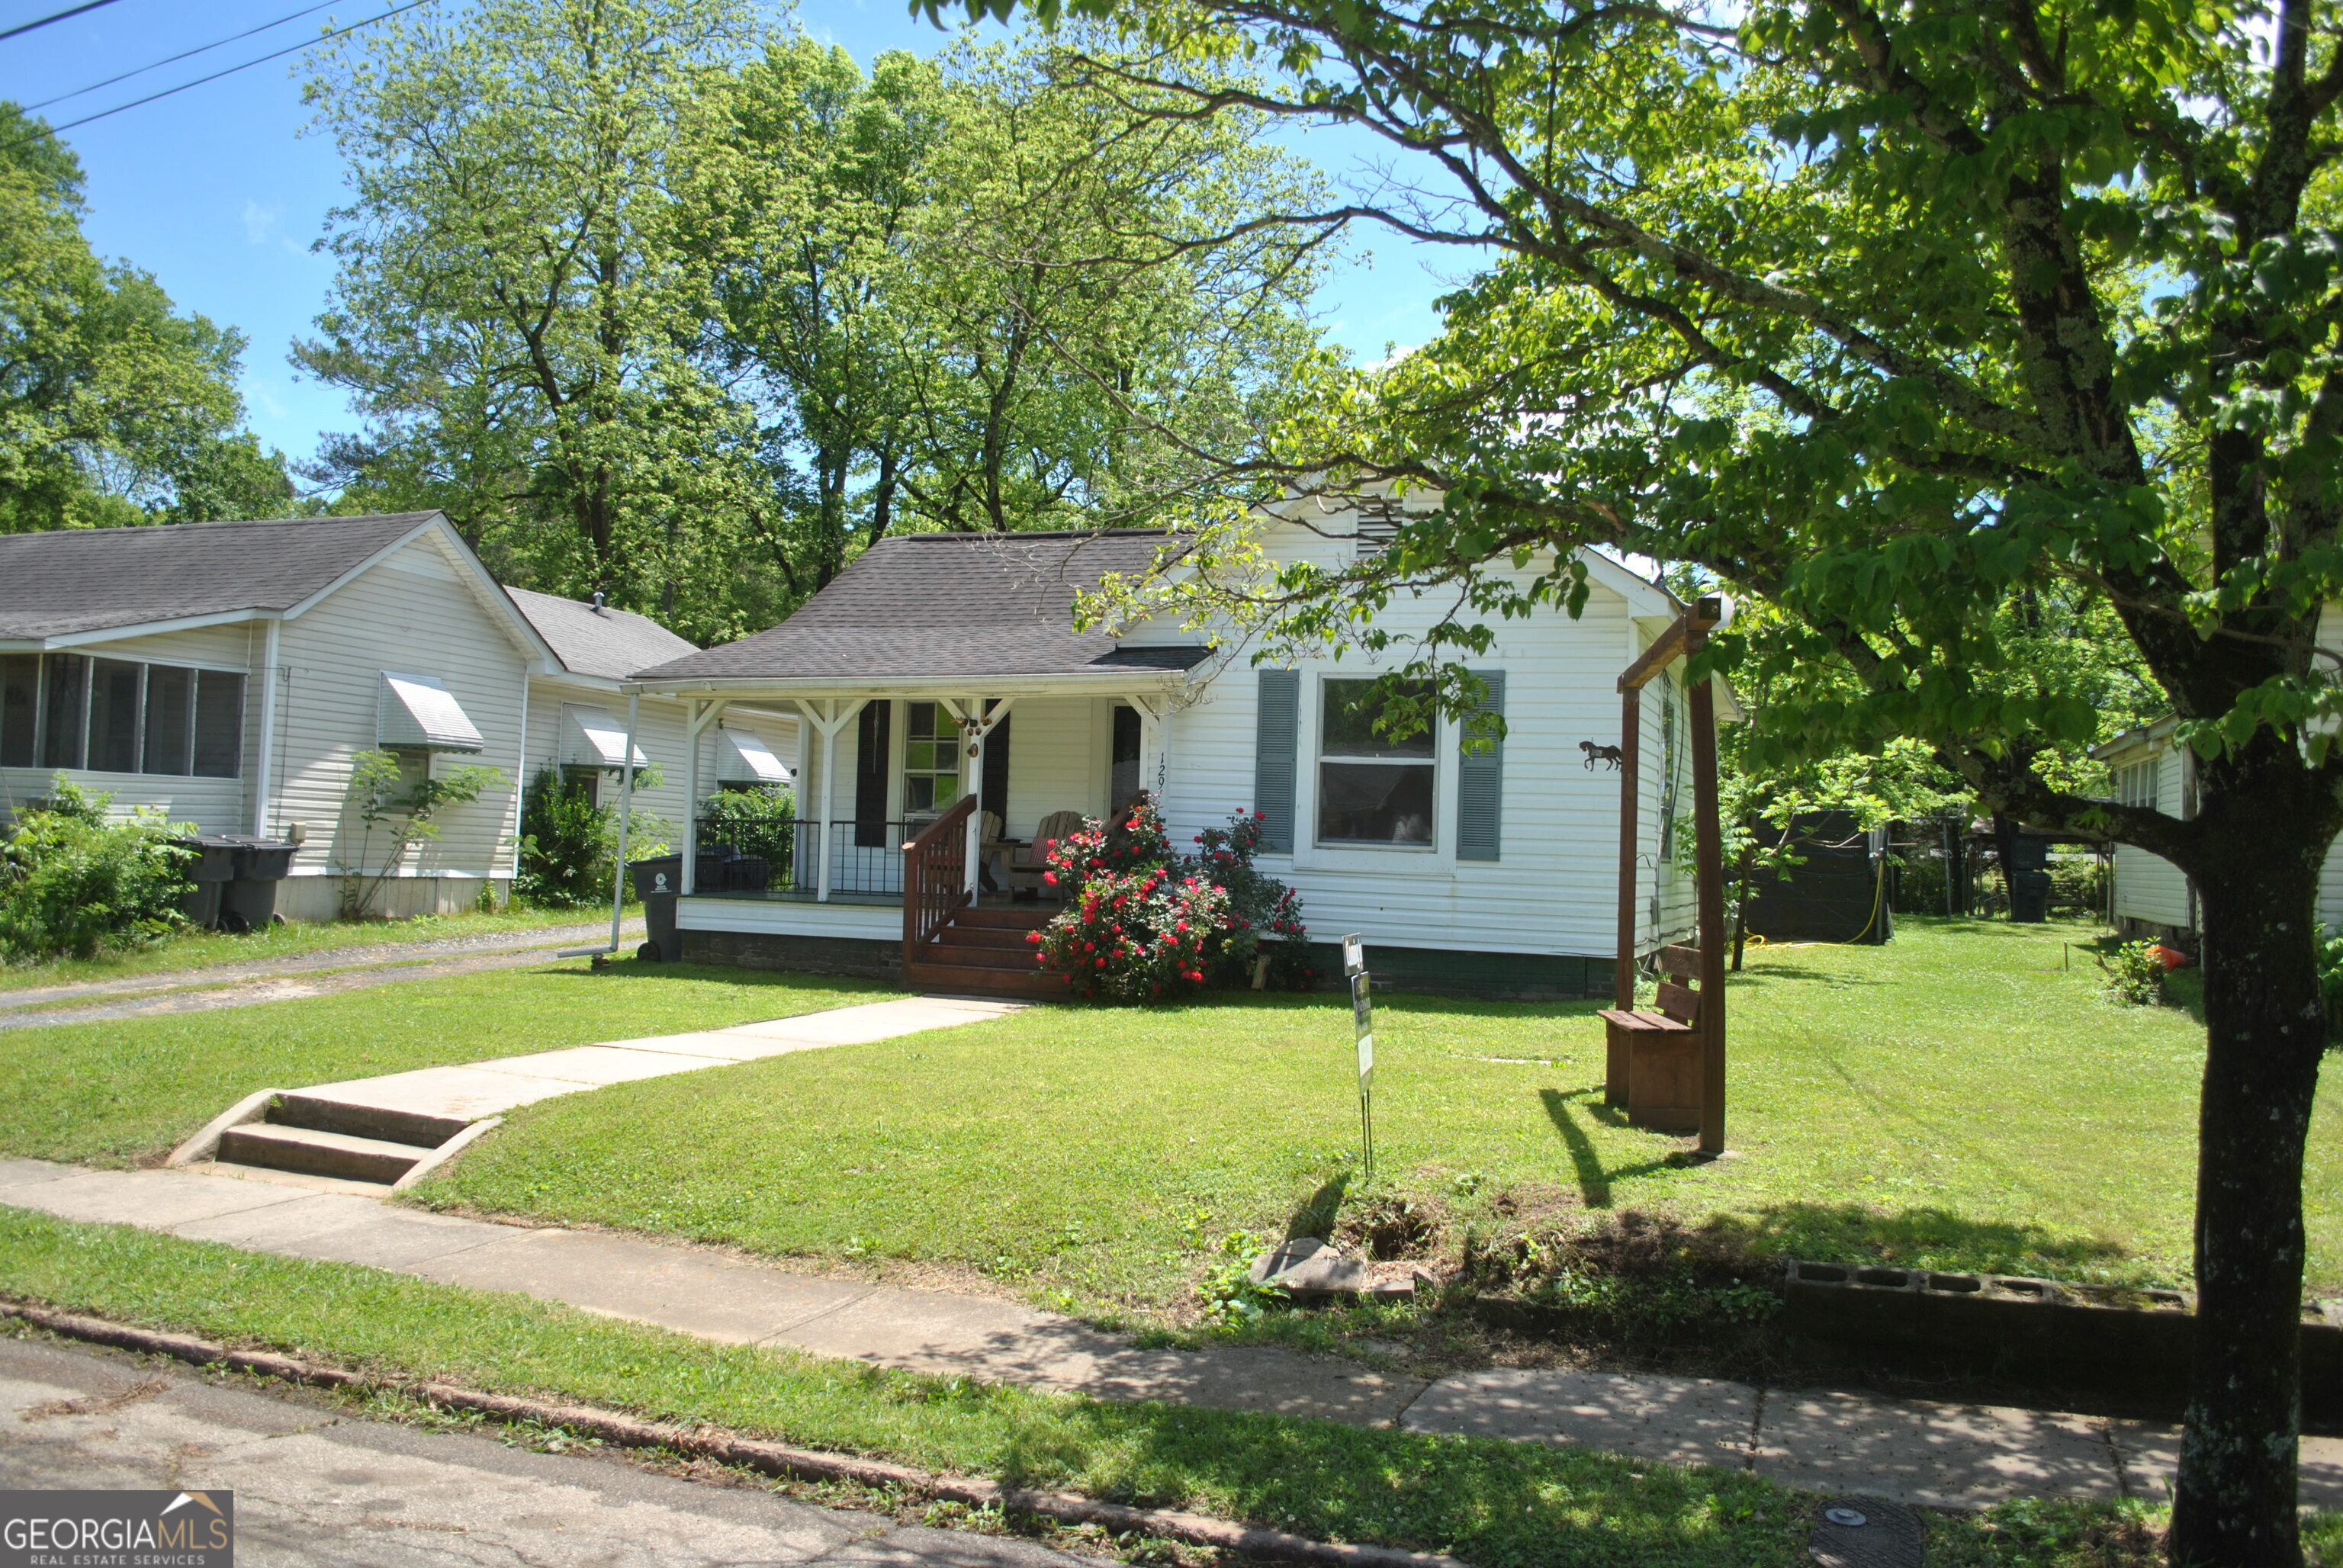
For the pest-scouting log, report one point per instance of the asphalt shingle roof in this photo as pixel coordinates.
(611, 643)
(921, 606)
(93, 580)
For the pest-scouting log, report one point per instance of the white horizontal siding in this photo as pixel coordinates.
(1052, 763)
(412, 614)
(1553, 889)
(790, 917)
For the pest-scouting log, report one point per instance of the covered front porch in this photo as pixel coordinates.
(948, 795)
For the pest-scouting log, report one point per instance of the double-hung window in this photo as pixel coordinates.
(1375, 776)
(930, 760)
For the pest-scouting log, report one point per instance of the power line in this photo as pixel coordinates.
(53, 16)
(215, 76)
(175, 59)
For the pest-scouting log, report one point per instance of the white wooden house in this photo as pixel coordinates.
(939, 666)
(228, 673)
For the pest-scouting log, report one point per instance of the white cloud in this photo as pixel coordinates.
(258, 220)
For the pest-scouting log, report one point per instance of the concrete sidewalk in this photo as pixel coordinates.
(1911, 1450)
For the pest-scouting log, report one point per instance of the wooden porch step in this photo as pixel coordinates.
(982, 980)
(952, 948)
(1007, 918)
(995, 939)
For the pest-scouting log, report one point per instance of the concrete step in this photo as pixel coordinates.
(315, 1151)
(415, 1126)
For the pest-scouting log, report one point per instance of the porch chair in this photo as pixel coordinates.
(1022, 865)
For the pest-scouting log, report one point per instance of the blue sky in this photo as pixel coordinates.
(218, 193)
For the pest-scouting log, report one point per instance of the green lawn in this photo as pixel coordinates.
(1954, 1099)
(113, 1092)
(1496, 1504)
(199, 951)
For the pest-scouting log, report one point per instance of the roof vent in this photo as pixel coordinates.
(597, 601)
(1379, 520)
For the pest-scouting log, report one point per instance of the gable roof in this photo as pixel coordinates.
(93, 580)
(917, 606)
(597, 640)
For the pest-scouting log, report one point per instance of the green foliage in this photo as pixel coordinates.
(72, 884)
(114, 407)
(763, 806)
(1141, 925)
(1230, 1297)
(567, 843)
(514, 310)
(2135, 974)
(380, 797)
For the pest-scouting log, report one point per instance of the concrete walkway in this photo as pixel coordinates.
(1912, 1451)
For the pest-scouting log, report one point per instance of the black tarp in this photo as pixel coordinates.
(1832, 896)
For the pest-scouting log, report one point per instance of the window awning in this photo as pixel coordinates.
(594, 739)
(745, 759)
(418, 713)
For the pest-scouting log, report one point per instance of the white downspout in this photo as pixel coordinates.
(262, 795)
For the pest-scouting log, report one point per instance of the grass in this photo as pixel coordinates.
(1953, 1100)
(1496, 1504)
(199, 951)
(123, 1092)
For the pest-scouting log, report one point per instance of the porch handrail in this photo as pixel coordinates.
(935, 876)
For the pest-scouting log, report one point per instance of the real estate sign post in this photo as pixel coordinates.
(1363, 1014)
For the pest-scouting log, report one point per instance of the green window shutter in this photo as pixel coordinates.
(1481, 783)
(1276, 730)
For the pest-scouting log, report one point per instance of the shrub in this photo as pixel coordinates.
(2135, 974)
(1141, 925)
(565, 845)
(71, 882)
(1265, 914)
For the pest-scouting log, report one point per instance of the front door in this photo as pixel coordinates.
(1123, 772)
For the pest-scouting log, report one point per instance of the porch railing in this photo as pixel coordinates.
(935, 876)
(866, 859)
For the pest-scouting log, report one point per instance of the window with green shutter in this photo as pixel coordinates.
(1480, 780)
(1276, 734)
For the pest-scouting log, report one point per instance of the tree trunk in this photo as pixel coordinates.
(2235, 1505)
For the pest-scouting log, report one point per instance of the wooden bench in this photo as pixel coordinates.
(1654, 1061)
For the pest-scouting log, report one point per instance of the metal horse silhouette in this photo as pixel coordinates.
(1594, 754)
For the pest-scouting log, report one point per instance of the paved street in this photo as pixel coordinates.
(315, 1486)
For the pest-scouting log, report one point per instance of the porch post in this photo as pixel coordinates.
(625, 814)
(690, 880)
(977, 731)
(701, 714)
(1152, 764)
(828, 731)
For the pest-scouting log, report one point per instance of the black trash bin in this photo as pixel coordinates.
(249, 902)
(209, 873)
(657, 881)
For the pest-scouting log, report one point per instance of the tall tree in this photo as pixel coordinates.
(516, 311)
(114, 407)
(805, 207)
(1094, 300)
(1888, 312)
(994, 292)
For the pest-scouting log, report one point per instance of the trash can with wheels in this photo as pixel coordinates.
(211, 871)
(249, 902)
(657, 881)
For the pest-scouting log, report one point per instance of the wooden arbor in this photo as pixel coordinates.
(1666, 1065)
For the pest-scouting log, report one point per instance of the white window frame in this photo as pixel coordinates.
(1433, 860)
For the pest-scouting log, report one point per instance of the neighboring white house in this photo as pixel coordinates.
(1491, 872)
(228, 673)
(2152, 899)
(577, 714)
